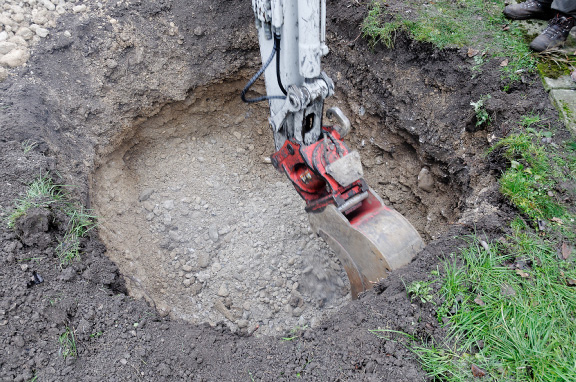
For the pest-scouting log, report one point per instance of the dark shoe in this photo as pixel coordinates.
(555, 33)
(530, 9)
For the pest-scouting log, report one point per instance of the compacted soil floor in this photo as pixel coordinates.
(202, 266)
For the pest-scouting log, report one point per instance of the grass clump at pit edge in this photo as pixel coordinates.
(512, 309)
(41, 193)
(530, 182)
(472, 23)
(44, 193)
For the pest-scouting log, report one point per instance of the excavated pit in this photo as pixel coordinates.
(203, 227)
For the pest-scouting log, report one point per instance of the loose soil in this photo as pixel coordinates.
(203, 266)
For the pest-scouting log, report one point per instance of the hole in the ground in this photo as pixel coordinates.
(202, 226)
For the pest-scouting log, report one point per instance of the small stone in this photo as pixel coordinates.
(187, 282)
(79, 8)
(187, 268)
(123, 361)
(111, 63)
(239, 119)
(216, 267)
(198, 31)
(39, 19)
(219, 305)
(196, 288)
(168, 204)
(223, 291)
(145, 194)
(42, 32)
(18, 17)
(15, 58)
(425, 180)
(25, 33)
(213, 233)
(7, 47)
(297, 312)
(19, 341)
(203, 260)
(18, 40)
(242, 324)
(67, 274)
(148, 206)
(67, 34)
(48, 4)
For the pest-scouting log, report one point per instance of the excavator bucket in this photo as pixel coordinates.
(369, 239)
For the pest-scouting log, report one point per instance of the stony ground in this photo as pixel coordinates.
(84, 108)
(25, 23)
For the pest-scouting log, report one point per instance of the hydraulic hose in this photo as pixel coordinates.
(256, 76)
(277, 45)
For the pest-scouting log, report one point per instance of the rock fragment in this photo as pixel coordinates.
(425, 180)
(223, 291)
(25, 33)
(7, 47)
(145, 194)
(42, 32)
(203, 260)
(79, 8)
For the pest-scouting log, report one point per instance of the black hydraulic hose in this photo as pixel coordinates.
(277, 45)
(256, 76)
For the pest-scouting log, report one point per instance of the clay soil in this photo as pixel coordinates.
(203, 267)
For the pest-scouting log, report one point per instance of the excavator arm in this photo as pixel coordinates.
(368, 237)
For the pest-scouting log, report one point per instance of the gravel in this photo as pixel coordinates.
(24, 23)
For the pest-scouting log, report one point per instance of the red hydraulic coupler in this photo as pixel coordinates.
(306, 168)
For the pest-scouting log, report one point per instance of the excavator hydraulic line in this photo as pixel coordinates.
(369, 238)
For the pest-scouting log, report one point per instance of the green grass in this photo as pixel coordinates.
(510, 306)
(67, 342)
(80, 222)
(43, 193)
(420, 290)
(28, 145)
(511, 313)
(477, 24)
(531, 179)
(482, 116)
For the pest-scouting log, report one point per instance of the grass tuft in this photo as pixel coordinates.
(43, 193)
(80, 222)
(67, 342)
(40, 194)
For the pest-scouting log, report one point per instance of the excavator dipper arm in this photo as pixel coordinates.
(368, 237)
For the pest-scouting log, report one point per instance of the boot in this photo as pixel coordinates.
(530, 9)
(555, 33)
